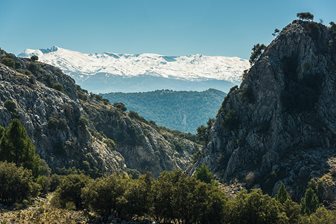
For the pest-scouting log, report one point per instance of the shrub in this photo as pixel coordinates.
(16, 184)
(256, 207)
(57, 123)
(203, 174)
(180, 198)
(34, 58)
(8, 61)
(69, 190)
(44, 184)
(10, 105)
(120, 106)
(105, 196)
(58, 87)
(55, 181)
(321, 216)
(34, 67)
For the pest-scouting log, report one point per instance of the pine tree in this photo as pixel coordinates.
(17, 147)
(309, 202)
(282, 196)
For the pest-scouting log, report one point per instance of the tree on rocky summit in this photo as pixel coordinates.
(257, 51)
(34, 58)
(276, 32)
(305, 16)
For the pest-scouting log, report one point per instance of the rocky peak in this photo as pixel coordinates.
(280, 124)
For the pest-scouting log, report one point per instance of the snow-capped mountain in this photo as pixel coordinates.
(111, 72)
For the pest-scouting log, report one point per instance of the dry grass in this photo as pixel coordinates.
(42, 212)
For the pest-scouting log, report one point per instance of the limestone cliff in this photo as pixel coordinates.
(280, 124)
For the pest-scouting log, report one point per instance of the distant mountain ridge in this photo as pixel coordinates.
(112, 72)
(179, 110)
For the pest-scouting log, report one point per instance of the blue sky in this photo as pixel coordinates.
(170, 27)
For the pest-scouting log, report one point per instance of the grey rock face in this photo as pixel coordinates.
(72, 128)
(280, 124)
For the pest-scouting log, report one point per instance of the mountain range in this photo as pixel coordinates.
(112, 72)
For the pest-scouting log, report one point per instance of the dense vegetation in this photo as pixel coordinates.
(174, 197)
(178, 110)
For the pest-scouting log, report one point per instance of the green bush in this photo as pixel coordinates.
(16, 184)
(178, 197)
(58, 87)
(203, 174)
(256, 207)
(55, 181)
(10, 105)
(321, 216)
(44, 184)
(105, 196)
(69, 190)
(8, 61)
(55, 123)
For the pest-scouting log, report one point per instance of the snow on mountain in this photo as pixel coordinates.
(184, 67)
(82, 66)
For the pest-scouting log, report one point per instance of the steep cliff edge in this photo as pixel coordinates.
(280, 124)
(73, 128)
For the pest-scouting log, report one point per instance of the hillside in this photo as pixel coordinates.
(179, 110)
(72, 128)
(112, 72)
(280, 124)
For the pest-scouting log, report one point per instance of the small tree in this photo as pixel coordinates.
(203, 174)
(309, 202)
(16, 184)
(69, 190)
(276, 32)
(257, 51)
(17, 147)
(34, 58)
(282, 196)
(305, 16)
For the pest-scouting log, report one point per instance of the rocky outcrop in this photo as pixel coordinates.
(280, 124)
(73, 128)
